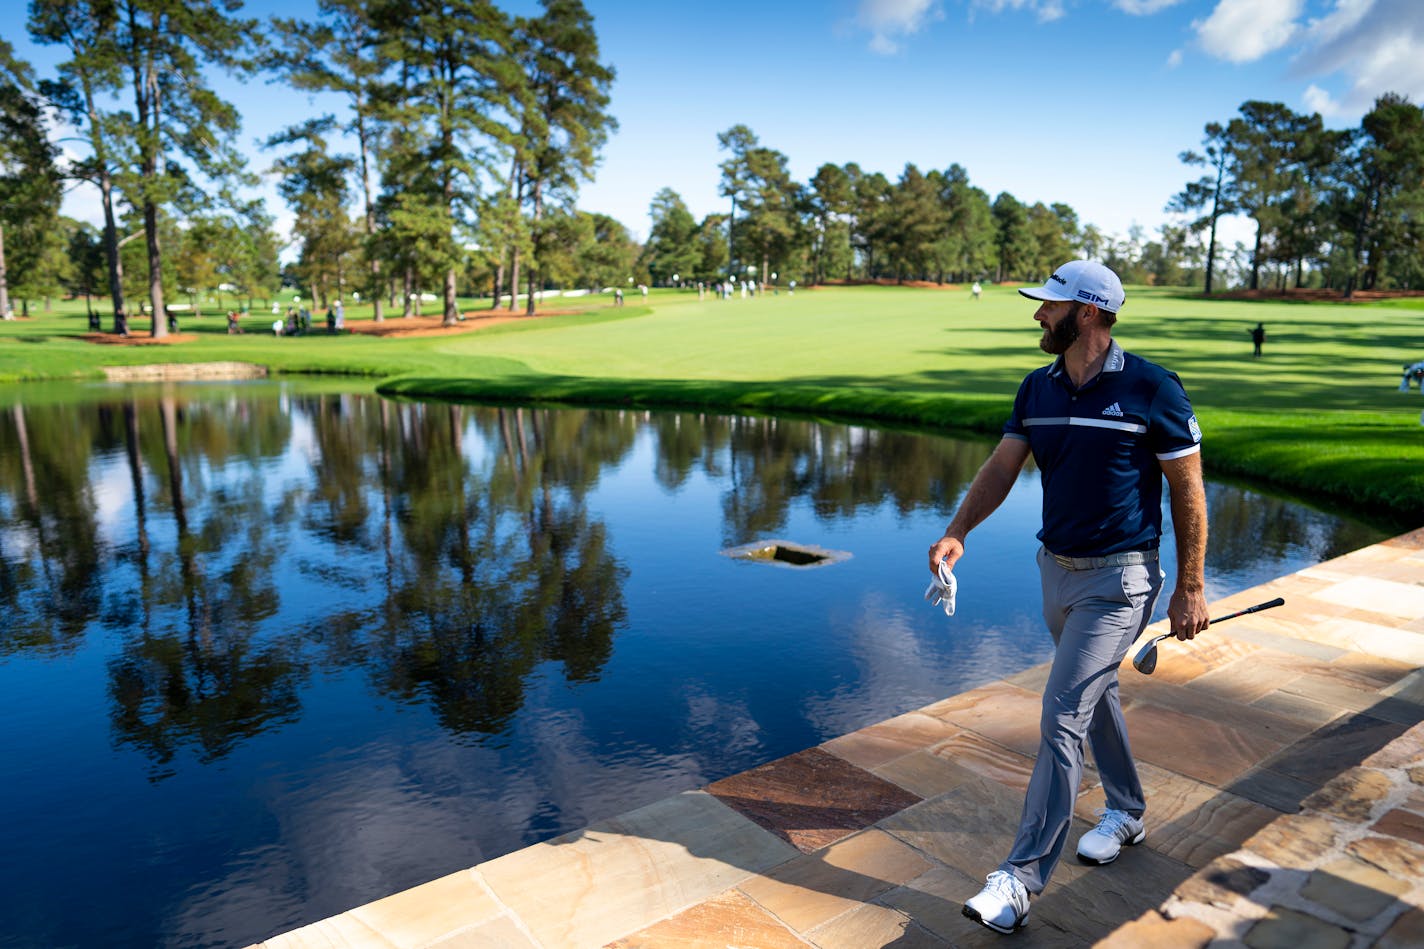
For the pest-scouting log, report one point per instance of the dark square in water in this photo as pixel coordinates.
(786, 553)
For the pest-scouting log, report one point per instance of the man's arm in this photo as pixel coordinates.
(988, 490)
(1187, 609)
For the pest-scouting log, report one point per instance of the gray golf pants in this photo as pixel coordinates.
(1094, 616)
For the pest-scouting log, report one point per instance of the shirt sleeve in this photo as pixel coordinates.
(1014, 427)
(1172, 429)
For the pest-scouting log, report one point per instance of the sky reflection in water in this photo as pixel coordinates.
(270, 654)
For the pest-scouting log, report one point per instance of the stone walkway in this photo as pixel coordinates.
(1282, 753)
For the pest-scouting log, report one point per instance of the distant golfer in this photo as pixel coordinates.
(976, 290)
(1258, 336)
(1103, 426)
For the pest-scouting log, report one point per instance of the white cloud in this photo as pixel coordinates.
(1240, 31)
(1144, 7)
(1318, 100)
(1174, 59)
(891, 20)
(1046, 10)
(83, 202)
(1377, 44)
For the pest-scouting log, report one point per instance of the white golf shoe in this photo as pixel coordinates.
(1104, 842)
(1002, 905)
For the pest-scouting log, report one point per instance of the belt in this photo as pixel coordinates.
(1123, 559)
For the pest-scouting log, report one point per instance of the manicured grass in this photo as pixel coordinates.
(1319, 415)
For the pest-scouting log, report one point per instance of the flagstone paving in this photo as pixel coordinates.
(1282, 755)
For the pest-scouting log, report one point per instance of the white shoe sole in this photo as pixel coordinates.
(1095, 862)
(973, 914)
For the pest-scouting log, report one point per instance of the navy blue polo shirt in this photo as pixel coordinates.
(1099, 449)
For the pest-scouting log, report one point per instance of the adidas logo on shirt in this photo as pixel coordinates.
(1114, 410)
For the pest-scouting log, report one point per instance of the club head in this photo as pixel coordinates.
(1145, 661)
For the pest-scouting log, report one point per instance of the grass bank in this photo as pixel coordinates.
(1320, 415)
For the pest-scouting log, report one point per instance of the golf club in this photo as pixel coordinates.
(1145, 661)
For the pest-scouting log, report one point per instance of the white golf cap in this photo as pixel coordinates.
(1081, 281)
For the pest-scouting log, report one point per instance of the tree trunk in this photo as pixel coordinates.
(513, 276)
(731, 254)
(409, 294)
(534, 232)
(106, 199)
(155, 269)
(1256, 259)
(452, 311)
(498, 281)
(378, 312)
(4, 281)
(518, 202)
(147, 102)
(1211, 251)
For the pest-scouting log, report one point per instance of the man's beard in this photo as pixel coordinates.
(1056, 341)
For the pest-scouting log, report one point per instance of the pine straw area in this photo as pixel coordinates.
(140, 338)
(431, 325)
(399, 326)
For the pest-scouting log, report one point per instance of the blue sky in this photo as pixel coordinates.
(1087, 102)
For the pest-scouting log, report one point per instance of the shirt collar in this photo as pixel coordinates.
(1115, 361)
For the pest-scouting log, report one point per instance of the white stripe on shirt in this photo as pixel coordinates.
(1088, 422)
(1180, 453)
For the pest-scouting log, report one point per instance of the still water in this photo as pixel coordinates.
(268, 653)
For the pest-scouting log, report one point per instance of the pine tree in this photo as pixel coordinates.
(563, 104)
(455, 84)
(162, 47)
(29, 181)
(85, 28)
(340, 53)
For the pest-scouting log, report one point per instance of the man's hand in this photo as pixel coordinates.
(948, 549)
(1187, 613)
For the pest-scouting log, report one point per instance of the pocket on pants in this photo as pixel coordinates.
(1137, 581)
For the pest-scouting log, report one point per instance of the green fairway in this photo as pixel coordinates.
(1320, 414)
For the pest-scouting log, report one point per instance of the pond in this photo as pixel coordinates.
(271, 652)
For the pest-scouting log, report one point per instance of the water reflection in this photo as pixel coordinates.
(287, 651)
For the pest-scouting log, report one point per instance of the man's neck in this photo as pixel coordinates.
(1085, 358)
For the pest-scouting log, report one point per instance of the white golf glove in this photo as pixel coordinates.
(941, 590)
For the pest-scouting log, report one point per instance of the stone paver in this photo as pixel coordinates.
(812, 798)
(1282, 755)
(1287, 929)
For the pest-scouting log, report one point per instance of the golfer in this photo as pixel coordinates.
(1103, 426)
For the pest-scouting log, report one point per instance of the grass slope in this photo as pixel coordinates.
(1320, 414)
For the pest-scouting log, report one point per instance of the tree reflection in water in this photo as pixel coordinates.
(483, 577)
(446, 584)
